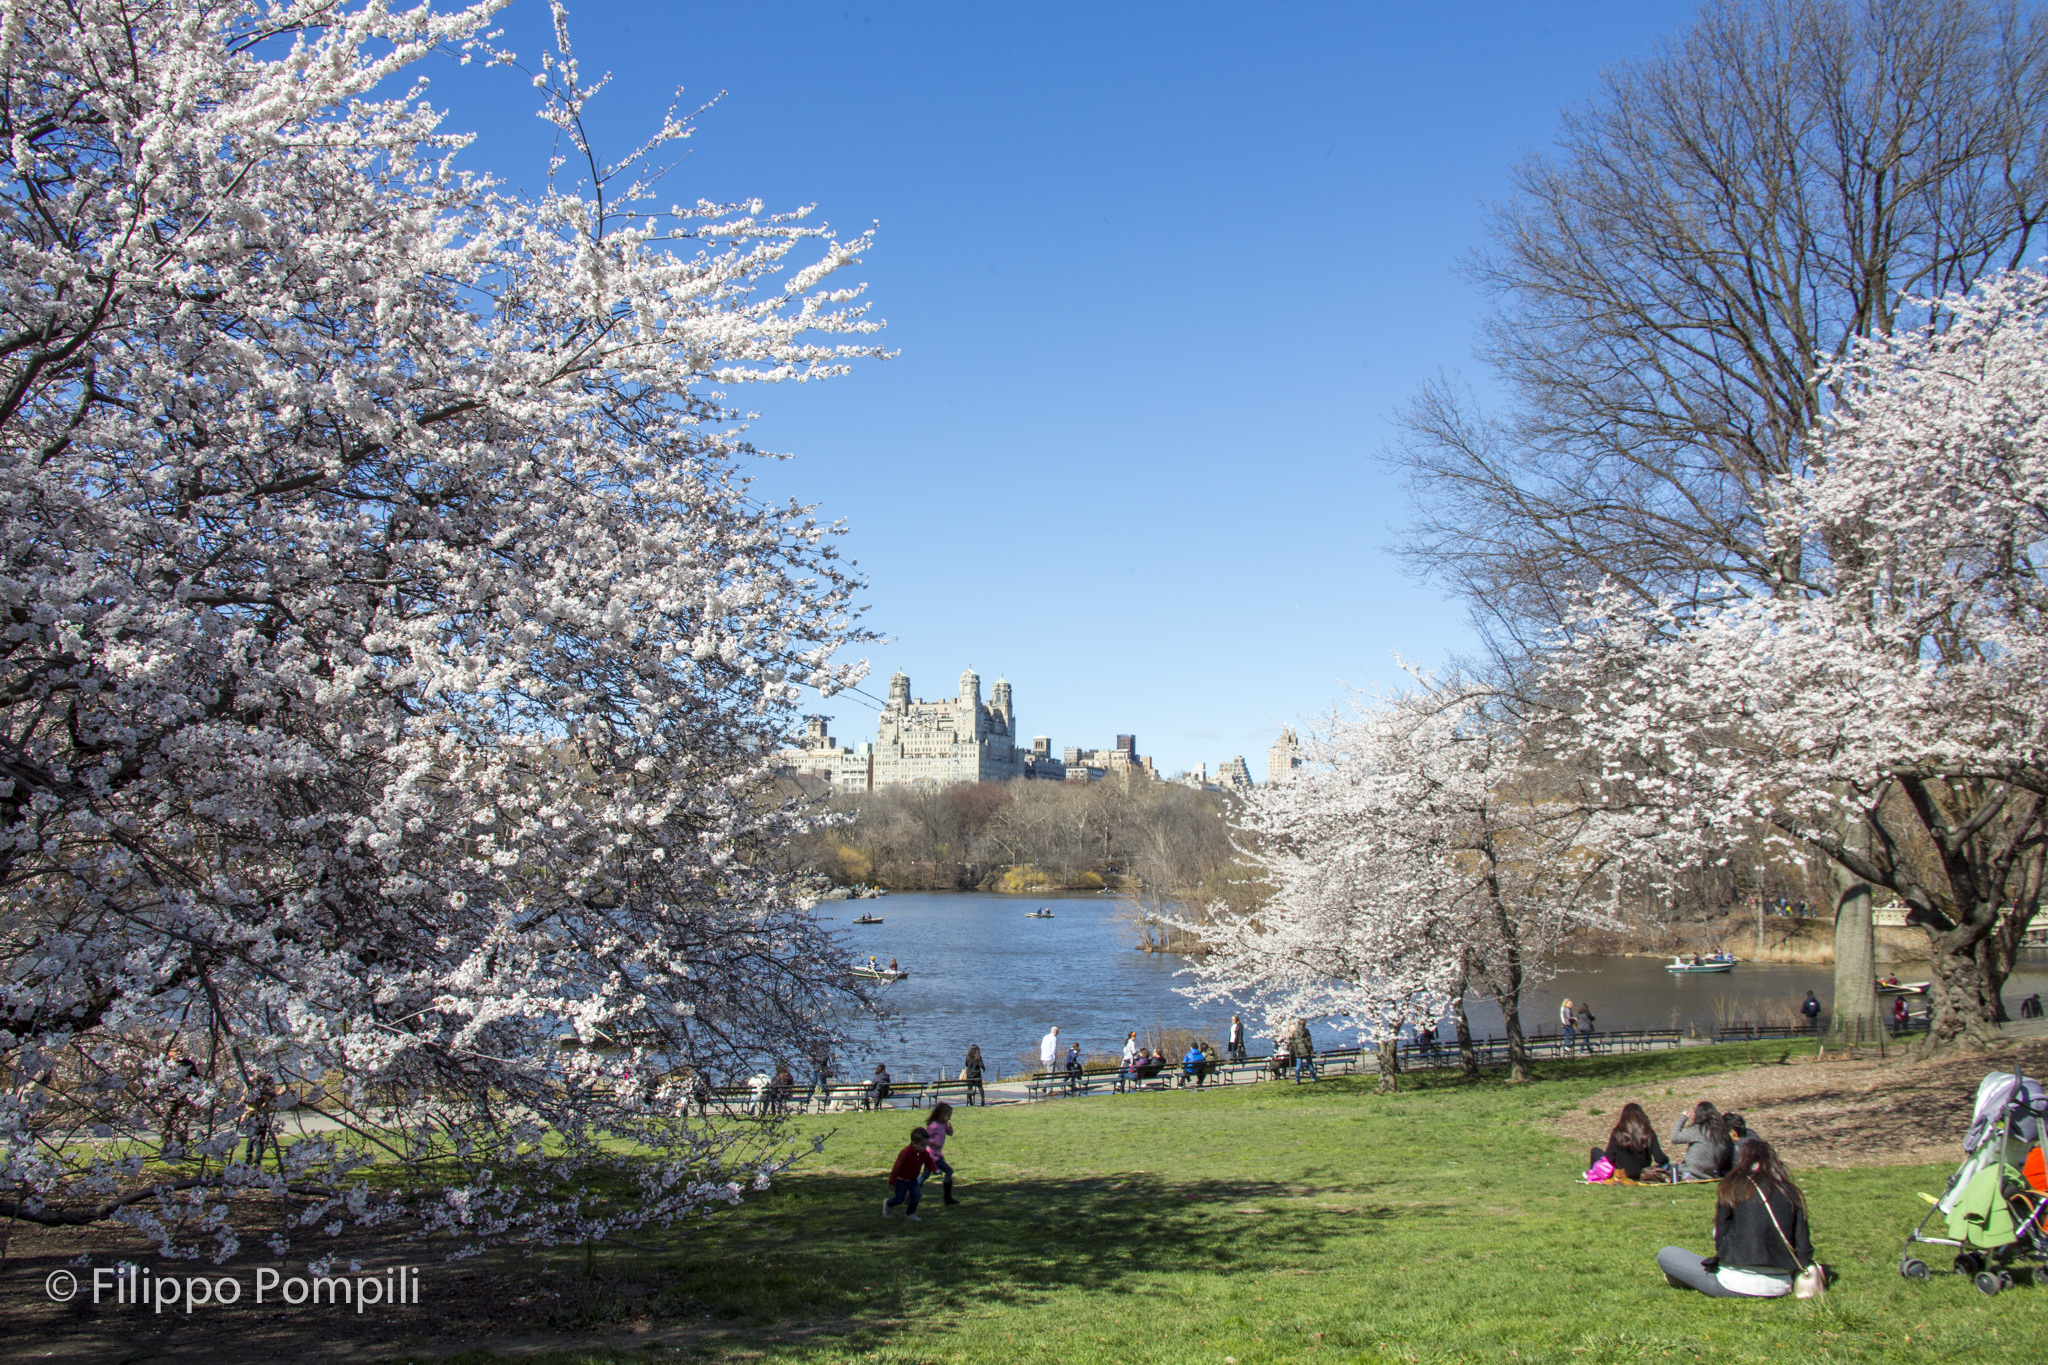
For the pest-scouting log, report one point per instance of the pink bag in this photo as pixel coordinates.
(1602, 1171)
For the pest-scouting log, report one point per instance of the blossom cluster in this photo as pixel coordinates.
(390, 646)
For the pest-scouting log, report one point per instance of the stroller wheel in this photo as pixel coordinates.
(1968, 1263)
(2005, 1279)
(1913, 1268)
(1988, 1282)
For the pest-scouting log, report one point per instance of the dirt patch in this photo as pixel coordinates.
(1849, 1112)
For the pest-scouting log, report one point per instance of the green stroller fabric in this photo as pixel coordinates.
(1977, 1213)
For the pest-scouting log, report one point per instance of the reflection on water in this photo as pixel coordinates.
(980, 972)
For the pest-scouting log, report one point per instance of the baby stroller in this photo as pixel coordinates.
(1994, 1206)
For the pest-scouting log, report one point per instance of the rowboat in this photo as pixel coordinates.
(872, 974)
(1040, 913)
(1680, 967)
(868, 919)
(1904, 987)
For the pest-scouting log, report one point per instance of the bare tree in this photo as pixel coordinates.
(1715, 225)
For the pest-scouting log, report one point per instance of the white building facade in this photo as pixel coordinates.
(960, 739)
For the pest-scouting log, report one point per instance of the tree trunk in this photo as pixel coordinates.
(1518, 1047)
(1509, 995)
(1855, 1018)
(1390, 1062)
(1468, 1056)
(1966, 1003)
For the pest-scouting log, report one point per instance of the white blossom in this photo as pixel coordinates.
(358, 516)
(1891, 716)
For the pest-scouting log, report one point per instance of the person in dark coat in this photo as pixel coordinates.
(1632, 1145)
(1761, 1238)
(975, 1073)
(1810, 1007)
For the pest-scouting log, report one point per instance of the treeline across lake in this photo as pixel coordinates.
(1158, 840)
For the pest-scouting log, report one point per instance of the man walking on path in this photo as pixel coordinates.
(1236, 1039)
(1129, 1061)
(1811, 1009)
(1049, 1049)
(1303, 1050)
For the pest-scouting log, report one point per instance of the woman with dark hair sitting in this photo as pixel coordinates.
(1632, 1144)
(1761, 1239)
(1709, 1150)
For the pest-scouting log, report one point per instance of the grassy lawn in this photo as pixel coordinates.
(1275, 1223)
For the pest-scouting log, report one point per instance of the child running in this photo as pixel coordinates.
(938, 1127)
(911, 1165)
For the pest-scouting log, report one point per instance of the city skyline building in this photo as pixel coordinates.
(1283, 758)
(958, 739)
(962, 739)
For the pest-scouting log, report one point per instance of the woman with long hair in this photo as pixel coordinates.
(1632, 1144)
(1708, 1149)
(1761, 1240)
(972, 1073)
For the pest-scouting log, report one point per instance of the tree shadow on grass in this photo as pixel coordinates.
(820, 1249)
(812, 1258)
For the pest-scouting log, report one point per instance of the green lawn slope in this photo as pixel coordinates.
(1270, 1222)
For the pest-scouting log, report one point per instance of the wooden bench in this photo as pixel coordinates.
(933, 1091)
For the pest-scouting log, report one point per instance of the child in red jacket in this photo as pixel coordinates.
(912, 1163)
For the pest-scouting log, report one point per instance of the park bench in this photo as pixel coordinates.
(1067, 1083)
(937, 1089)
(1741, 1032)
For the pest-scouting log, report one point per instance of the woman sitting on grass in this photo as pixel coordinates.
(1710, 1151)
(1632, 1144)
(1760, 1235)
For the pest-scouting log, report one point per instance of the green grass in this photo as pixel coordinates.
(1275, 1223)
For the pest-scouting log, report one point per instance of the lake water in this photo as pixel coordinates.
(980, 972)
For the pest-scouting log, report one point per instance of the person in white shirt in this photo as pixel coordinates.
(1130, 1060)
(1049, 1049)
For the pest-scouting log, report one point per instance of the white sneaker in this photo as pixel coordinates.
(912, 1218)
(885, 1208)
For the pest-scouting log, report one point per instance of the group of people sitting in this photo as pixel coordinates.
(1709, 1138)
(1762, 1244)
(1142, 1064)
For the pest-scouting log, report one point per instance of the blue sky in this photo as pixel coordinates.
(1157, 277)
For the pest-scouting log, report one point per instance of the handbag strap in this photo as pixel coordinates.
(1764, 1199)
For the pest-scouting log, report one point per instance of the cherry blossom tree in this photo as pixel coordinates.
(1415, 857)
(1890, 715)
(391, 645)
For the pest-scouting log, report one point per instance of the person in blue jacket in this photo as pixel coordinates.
(1195, 1064)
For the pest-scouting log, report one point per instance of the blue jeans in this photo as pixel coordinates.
(1571, 1039)
(1307, 1064)
(905, 1189)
